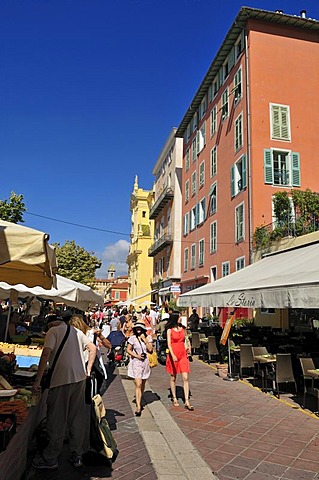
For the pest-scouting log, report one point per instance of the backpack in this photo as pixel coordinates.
(101, 438)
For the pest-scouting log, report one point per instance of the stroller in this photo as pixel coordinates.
(118, 355)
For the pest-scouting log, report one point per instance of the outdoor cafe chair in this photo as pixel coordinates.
(246, 358)
(284, 372)
(195, 341)
(306, 364)
(212, 350)
(202, 335)
(259, 351)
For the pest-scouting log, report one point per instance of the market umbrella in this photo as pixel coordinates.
(26, 256)
(73, 294)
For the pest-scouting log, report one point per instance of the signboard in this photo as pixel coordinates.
(226, 330)
(175, 288)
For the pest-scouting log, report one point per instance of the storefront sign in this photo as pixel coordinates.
(175, 288)
(241, 301)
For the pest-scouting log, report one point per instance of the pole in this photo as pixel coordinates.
(230, 377)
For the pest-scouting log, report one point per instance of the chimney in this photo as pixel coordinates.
(303, 13)
(279, 11)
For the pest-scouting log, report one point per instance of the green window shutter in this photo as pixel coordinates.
(197, 215)
(295, 167)
(231, 58)
(244, 171)
(232, 181)
(268, 170)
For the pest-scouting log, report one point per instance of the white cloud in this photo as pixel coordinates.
(115, 254)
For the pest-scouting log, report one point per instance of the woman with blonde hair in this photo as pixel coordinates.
(95, 335)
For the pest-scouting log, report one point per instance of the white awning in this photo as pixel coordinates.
(283, 279)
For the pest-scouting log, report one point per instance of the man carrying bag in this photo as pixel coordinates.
(66, 399)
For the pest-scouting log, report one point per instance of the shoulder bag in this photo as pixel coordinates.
(46, 379)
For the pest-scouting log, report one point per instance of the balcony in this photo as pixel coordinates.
(166, 195)
(160, 244)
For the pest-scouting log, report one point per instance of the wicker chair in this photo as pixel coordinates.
(195, 341)
(212, 350)
(284, 372)
(306, 364)
(246, 358)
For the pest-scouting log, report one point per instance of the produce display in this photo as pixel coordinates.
(15, 387)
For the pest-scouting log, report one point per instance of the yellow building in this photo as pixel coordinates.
(140, 265)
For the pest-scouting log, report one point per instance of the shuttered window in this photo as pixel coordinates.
(239, 221)
(213, 162)
(280, 122)
(186, 260)
(202, 174)
(186, 191)
(225, 269)
(186, 224)
(225, 104)
(213, 121)
(193, 183)
(238, 132)
(201, 245)
(237, 86)
(282, 167)
(213, 237)
(238, 176)
(187, 160)
(193, 256)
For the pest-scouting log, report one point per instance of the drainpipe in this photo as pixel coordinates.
(250, 227)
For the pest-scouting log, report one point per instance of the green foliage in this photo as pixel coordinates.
(75, 263)
(172, 304)
(12, 210)
(261, 237)
(146, 230)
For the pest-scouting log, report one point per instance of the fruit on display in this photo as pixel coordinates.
(24, 391)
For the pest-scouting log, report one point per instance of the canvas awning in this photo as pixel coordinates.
(283, 279)
(67, 291)
(26, 256)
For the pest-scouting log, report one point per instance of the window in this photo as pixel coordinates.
(186, 223)
(193, 183)
(188, 132)
(239, 46)
(201, 174)
(213, 161)
(186, 191)
(194, 122)
(143, 214)
(213, 237)
(193, 256)
(201, 137)
(193, 220)
(168, 263)
(267, 310)
(238, 132)
(168, 222)
(225, 70)
(201, 253)
(225, 104)
(117, 295)
(194, 154)
(282, 167)
(239, 222)
(187, 160)
(203, 107)
(225, 269)
(240, 263)
(213, 121)
(280, 122)
(237, 86)
(213, 199)
(186, 260)
(238, 176)
(201, 211)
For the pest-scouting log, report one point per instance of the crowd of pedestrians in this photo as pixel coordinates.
(73, 343)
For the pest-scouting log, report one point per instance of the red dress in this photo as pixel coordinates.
(178, 347)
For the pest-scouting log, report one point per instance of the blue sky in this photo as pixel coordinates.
(90, 90)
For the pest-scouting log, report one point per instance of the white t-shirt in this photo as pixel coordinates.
(154, 316)
(70, 366)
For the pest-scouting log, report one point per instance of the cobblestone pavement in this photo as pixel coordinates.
(237, 431)
(241, 432)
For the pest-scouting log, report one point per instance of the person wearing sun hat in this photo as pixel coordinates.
(138, 346)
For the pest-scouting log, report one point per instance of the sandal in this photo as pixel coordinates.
(189, 407)
(175, 402)
(138, 413)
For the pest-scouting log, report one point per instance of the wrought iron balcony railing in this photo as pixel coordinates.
(160, 244)
(163, 199)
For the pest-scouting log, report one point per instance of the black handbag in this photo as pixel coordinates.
(46, 379)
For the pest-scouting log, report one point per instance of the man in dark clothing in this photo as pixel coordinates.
(194, 321)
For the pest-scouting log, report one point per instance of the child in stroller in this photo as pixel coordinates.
(118, 356)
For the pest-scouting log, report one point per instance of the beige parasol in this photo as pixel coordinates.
(26, 256)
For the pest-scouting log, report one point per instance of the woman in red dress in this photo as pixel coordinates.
(177, 359)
